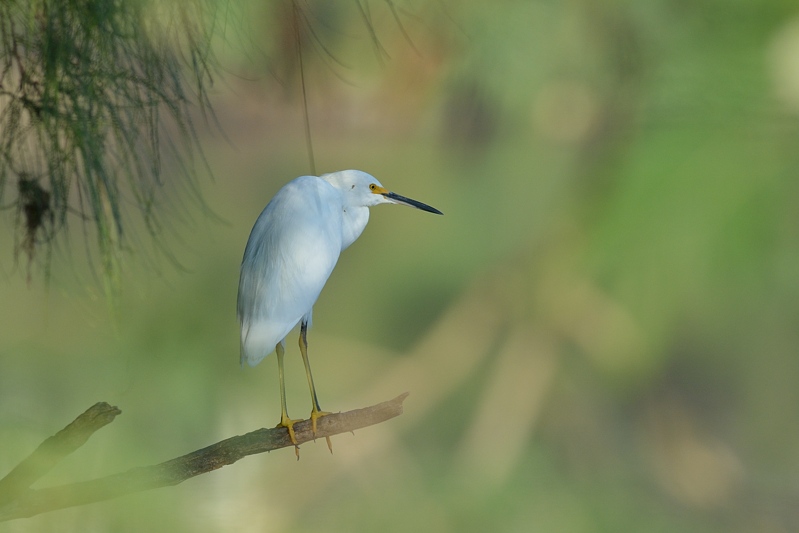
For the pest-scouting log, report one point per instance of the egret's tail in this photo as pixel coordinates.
(258, 340)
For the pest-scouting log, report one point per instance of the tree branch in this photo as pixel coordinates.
(54, 449)
(31, 502)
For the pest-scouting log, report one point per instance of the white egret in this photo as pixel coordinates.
(292, 249)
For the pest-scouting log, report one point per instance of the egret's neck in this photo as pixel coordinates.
(354, 221)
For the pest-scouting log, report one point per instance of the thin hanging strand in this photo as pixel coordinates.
(308, 141)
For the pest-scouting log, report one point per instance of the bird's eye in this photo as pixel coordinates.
(372, 187)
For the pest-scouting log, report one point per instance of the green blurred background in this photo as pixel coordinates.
(601, 333)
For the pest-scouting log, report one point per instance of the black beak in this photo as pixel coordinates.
(397, 199)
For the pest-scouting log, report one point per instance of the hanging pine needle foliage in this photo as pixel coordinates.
(86, 88)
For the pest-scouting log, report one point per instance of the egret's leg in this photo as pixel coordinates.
(316, 411)
(285, 421)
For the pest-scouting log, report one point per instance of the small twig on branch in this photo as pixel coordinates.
(32, 502)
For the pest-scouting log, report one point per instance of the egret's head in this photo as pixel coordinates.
(363, 190)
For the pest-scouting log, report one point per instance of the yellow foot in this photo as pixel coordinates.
(315, 415)
(288, 423)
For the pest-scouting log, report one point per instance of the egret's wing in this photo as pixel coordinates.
(291, 252)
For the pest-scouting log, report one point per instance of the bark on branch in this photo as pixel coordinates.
(18, 500)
